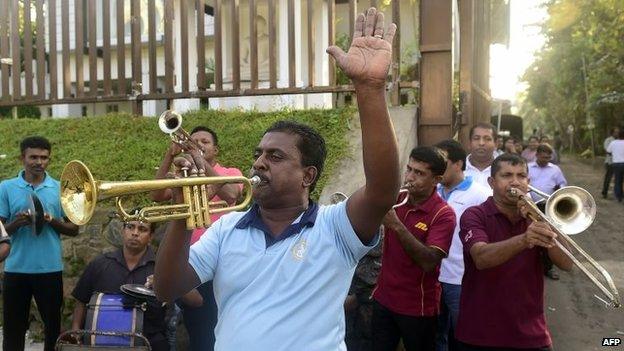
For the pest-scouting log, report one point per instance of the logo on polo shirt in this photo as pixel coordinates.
(422, 226)
(299, 250)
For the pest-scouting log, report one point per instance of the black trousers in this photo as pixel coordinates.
(200, 322)
(418, 333)
(467, 347)
(607, 179)
(18, 291)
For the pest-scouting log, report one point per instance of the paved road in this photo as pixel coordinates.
(577, 320)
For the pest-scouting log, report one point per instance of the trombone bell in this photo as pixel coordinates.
(80, 193)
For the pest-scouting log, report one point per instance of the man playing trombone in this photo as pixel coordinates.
(502, 298)
(282, 269)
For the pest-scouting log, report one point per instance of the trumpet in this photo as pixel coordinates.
(570, 210)
(80, 193)
(403, 190)
(170, 122)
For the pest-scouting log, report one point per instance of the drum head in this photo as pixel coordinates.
(138, 290)
(35, 209)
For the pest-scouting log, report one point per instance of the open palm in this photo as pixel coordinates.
(370, 54)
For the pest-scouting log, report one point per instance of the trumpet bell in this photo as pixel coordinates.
(169, 121)
(78, 192)
(571, 209)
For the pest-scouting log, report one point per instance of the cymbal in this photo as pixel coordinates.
(35, 211)
(138, 290)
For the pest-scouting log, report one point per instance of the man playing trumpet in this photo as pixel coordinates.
(417, 236)
(282, 269)
(502, 297)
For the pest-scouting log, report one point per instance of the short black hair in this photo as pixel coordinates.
(215, 140)
(134, 212)
(533, 137)
(454, 151)
(432, 156)
(512, 159)
(35, 142)
(484, 125)
(544, 147)
(311, 145)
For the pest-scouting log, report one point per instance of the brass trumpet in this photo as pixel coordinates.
(170, 122)
(570, 210)
(404, 189)
(80, 193)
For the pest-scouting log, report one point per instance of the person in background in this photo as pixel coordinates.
(616, 149)
(200, 321)
(555, 155)
(460, 192)
(34, 266)
(548, 178)
(500, 145)
(133, 263)
(606, 183)
(528, 154)
(482, 146)
(510, 145)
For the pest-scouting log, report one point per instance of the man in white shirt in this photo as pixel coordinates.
(608, 162)
(616, 148)
(482, 146)
(460, 192)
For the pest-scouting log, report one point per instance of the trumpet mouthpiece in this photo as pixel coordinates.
(255, 180)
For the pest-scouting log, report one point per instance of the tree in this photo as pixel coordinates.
(577, 31)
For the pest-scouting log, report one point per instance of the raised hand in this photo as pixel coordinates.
(370, 55)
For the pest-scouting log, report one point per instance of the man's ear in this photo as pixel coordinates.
(309, 176)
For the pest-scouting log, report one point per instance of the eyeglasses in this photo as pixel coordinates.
(142, 228)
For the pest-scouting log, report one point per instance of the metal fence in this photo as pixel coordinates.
(80, 55)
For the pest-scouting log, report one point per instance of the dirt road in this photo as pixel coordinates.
(577, 320)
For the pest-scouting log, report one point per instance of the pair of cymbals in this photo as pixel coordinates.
(35, 213)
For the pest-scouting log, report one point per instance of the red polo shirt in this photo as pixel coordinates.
(402, 286)
(501, 306)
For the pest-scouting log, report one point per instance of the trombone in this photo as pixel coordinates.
(570, 210)
(80, 193)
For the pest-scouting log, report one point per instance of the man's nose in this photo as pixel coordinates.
(259, 163)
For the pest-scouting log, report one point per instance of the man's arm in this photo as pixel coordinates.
(165, 194)
(174, 276)
(488, 255)
(367, 63)
(62, 226)
(78, 317)
(561, 260)
(426, 257)
(21, 219)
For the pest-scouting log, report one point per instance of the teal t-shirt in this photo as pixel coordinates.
(32, 253)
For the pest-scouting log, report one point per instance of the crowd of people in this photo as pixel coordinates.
(451, 264)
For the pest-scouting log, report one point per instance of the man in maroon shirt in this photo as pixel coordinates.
(502, 299)
(417, 237)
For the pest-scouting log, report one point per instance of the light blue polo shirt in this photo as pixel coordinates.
(32, 253)
(284, 295)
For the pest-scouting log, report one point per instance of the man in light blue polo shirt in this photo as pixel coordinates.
(34, 266)
(282, 269)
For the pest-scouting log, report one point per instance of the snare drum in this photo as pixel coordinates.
(114, 314)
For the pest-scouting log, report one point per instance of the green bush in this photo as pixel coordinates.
(122, 147)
